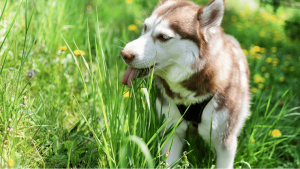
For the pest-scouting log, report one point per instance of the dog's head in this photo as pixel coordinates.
(177, 34)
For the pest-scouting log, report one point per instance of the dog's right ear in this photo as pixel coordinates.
(210, 16)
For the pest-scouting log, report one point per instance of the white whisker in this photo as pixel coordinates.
(161, 69)
(144, 11)
(123, 41)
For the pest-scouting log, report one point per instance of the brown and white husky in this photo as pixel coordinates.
(196, 64)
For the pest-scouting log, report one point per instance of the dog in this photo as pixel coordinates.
(202, 73)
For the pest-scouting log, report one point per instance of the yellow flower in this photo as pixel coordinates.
(273, 49)
(254, 90)
(292, 68)
(126, 94)
(257, 56)
(269, 60)
(253, 141)
(263, 50)
(63, 48)
(245, 51)
(256, 48)
(11, 163)
(263, 68)
(275, 133)
(262, 33)
(258, 79)
(261, 86)
(275, 62)
(89, 7)
(281, 79)
(132, 27)
(4, 15)
(77, 52)
(233, 18)
(129, 1)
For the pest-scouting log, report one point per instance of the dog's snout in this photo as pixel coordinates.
(127, 55)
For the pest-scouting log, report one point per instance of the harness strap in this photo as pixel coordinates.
(195, 111)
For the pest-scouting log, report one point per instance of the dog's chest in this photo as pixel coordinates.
(181, 95)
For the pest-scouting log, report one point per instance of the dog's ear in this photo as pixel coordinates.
(211, 15)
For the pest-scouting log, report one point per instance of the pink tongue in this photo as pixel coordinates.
(129, 75)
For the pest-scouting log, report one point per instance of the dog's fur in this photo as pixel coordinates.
(194, 60)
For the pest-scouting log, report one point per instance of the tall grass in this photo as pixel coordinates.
(72, 110)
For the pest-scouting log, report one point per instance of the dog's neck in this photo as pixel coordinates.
(193, 83)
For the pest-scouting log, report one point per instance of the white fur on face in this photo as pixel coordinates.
(174, 58)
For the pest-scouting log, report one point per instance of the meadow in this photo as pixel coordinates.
(63, 106)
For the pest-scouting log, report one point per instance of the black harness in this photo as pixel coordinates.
(195, 111)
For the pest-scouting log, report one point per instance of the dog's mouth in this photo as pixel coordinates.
(132, 73)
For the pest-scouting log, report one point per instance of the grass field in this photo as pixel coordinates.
(64, 108)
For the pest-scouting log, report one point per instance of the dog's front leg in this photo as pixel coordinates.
(225, 152)
(213, 128)
(173, 115)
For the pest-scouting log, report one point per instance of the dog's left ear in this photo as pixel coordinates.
(211, 15)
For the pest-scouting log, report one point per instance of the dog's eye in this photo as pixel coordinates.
(163, 37)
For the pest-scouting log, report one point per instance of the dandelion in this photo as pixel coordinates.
(275, 133)
(253, 141)
(252, 51)
(256, 48)
(233, 18)
(292, 68)
(129, 1)
(126, 94)
(269, 60)
(262, 33)
(63, 48)
(254, 90)
(273, 49)
(257, 56)
(89, 7)
(258, 79)
(11, 162)
(77, 52)
(245, 51)
(132, 27)
(281, 79)
(263, 68)
(261, 86)
(275, 62)
(263, 50)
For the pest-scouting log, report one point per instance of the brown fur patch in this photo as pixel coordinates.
(167, 88)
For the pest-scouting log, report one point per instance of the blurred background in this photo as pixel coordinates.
(62, 104)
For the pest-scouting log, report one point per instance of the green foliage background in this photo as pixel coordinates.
(75, 113)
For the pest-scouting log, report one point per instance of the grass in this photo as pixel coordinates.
(72, 111)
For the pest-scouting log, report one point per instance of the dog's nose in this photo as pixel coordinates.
(127, 55)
